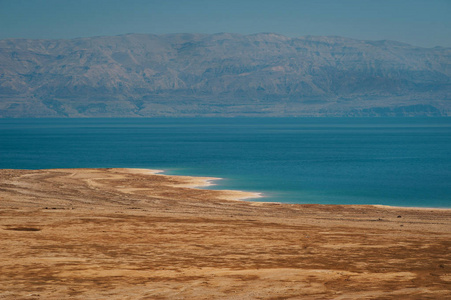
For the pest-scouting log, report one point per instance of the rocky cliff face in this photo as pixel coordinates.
(221, 75)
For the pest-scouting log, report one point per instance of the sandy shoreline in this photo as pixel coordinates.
(196, 182)
(410, 207)
(200, 182)
(138, 234)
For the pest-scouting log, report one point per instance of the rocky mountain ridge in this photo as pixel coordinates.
(137, 75)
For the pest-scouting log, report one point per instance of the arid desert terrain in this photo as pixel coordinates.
(134, 234)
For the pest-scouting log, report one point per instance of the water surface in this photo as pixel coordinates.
(390, 161)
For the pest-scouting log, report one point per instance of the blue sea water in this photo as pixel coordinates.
(389, 161)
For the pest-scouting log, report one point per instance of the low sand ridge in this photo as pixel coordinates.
(134, 234)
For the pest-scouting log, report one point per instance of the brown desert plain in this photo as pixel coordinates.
(135, 234)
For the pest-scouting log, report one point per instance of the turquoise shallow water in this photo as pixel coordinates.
(389, 161)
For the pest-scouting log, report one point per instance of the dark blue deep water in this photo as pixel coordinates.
(391, 161)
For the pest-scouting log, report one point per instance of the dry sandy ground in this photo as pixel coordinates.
(131, 234)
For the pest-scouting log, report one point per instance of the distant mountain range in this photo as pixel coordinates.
(222, 75)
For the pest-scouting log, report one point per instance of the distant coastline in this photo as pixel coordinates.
(222, 75)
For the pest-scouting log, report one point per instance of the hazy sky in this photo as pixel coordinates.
(419, 22)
